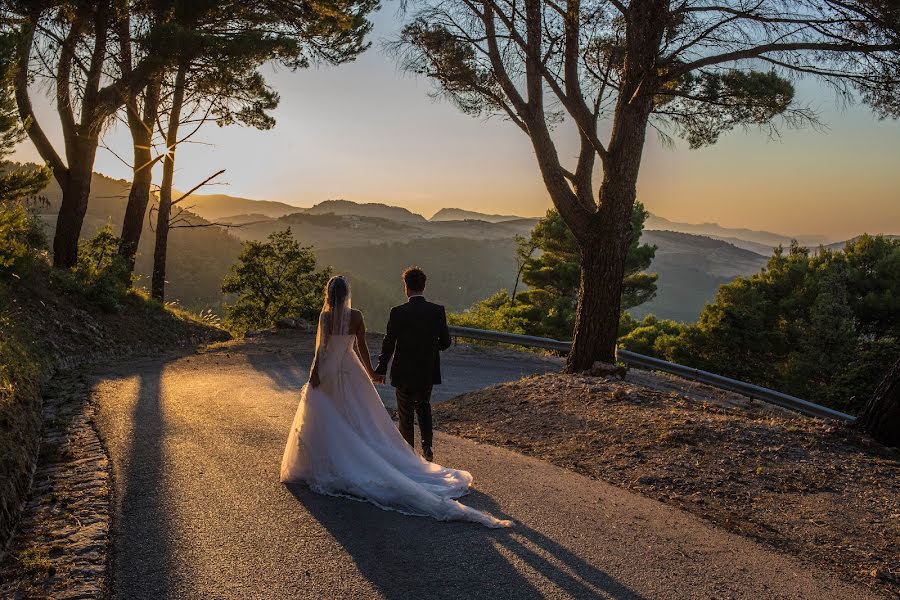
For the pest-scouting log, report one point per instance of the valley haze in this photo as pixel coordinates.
(468, 255)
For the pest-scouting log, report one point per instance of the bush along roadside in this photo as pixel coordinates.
(22, 374)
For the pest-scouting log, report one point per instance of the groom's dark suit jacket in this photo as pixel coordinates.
(416, 333)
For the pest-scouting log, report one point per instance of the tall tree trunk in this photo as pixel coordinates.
(76, 189)
(512, 295)
(604, 246)
(98, 103)
(158, 282)
(139, 197)
(880, 417)
(599, 301)
(604, 242)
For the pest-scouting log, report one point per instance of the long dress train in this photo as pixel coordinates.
(343, 443)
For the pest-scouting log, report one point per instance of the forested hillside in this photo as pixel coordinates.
(467, 260)
(458, 270)
(691, 268)
(458, 214)
(199, 257)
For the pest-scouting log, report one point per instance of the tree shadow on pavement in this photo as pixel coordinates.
(288, 370)
(140, 527)
(417, 557)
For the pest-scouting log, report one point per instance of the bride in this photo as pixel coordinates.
(342, 441)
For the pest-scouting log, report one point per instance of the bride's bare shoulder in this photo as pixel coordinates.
(356, 320)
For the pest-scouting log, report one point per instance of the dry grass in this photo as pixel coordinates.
(814, 489)
(35, 561)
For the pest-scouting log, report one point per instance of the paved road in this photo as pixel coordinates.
(199, 512)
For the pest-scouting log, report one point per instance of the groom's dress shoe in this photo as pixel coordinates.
(428, 453)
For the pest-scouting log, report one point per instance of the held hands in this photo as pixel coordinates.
(375, 377)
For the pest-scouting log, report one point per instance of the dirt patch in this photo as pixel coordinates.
(814, 489)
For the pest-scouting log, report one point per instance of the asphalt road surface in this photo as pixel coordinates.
(199, 512)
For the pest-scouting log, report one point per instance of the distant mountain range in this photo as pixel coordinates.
(468, 255)
(235, 210)
(458, 214)
(749, 239)
(377, 210)
(331, 230)
(218, 206)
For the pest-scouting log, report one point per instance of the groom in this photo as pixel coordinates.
(416, 333)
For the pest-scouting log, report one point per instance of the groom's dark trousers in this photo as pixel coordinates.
(416, 333)
(410, 402)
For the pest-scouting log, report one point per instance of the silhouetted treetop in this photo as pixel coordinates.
(690, 68)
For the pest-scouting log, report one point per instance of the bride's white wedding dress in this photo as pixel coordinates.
(343, 443)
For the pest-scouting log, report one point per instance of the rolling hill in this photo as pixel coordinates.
(377, 210)
(749, 239)
(691, 268)
(336, 231)
(213, 207)
(458, 214)
(466, 259)
(198, 257)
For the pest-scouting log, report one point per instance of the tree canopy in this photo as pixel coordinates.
(824, 326)
(273, 280)
(97, 57)
(20, 234)
(691, 69)
(17, 183)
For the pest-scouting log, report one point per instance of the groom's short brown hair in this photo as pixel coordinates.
(414, 278)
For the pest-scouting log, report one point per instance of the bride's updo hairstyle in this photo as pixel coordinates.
(336, 291)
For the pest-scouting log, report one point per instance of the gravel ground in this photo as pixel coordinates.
(809, 488)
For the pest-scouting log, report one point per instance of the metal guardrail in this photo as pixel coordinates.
(633, 359)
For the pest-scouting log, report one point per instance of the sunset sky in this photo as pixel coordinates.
(370, 133)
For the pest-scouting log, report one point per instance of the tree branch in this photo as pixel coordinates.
(26, 111)
(759, 51)
(198, 186)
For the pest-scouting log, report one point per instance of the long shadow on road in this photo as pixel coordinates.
(287, 369)
(416, 557)
(141, 514)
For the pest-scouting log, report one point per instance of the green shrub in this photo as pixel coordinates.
(823, 326)
(273, 280)
(21, 239)
(494, 313)
(101, 274)
(644, 338)
(20, 376)
(856, 381)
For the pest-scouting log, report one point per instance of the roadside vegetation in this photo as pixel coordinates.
(274, 280)
(52, 320)
(823, 325)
